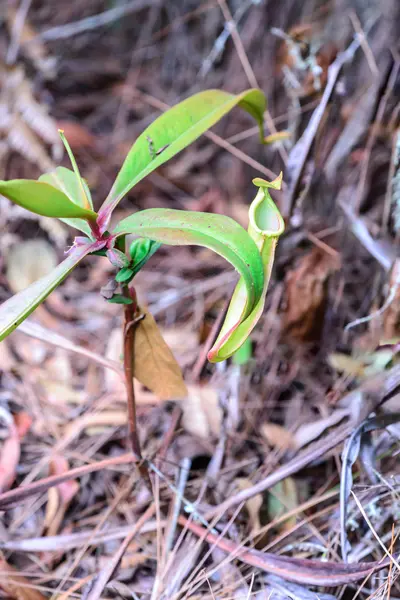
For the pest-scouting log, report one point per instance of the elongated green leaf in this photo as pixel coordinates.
(17, 308)
(85, 199)
(43, 199)
(66, 181)
(173, 131)
(265, 227)
(217, 232)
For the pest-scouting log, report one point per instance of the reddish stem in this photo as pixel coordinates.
(131, 318)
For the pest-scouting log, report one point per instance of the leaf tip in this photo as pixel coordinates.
(276, 184)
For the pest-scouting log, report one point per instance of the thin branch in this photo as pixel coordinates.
(94, 22)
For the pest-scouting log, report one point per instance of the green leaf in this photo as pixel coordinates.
(65, 180)
(119, 299)
(265, 227)
(243, 355)
(43, 199)
(85, 199)
(172, 132)
(17, 308)
(141, 251)
(217, 232)
(125, 275)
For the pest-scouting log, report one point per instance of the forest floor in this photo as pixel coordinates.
(254, 454)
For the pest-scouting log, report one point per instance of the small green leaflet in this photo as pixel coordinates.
(43, 199)
(65, 180)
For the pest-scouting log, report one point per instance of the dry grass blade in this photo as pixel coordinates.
(15, 585)
(376, 536)
(22, 493)
(301, 150)
(55, 339)
(70, 541)
(349, 457)
(374, 391)
(112, 565)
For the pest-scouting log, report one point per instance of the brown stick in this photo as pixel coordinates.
(301, 571)
(12, 497)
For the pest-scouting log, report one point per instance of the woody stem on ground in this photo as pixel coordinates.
(131, 318)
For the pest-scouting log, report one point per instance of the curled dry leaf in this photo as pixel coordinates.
(154, 364)
(96, 422)
(277, 436)
(253, 505)
(29, 261)
(9, 459)
(15, 585)
(391, 316)
(310, 431)
(59, 497)
(114, 381)
(202, 414)
(26, 124)
(11, 450)
(307, 288)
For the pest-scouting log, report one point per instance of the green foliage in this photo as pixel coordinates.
(43, 199)
(217, 232)
(64, 194)
(173, 131)
(66, 181)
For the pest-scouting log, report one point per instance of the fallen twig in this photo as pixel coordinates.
(297, 570)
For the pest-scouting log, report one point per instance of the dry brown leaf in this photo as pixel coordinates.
(253, 505)
(154, 364)
(114, 381)
(306, 293)
(58, 392)
(59, 497)
(391, 316)
(355, 367)
(9, 458)
(310, 431)
(15, 585)
(183, 343)
(277, 436)
(31, 45)
(11, 449)
(28, 261)
(23, 423)
(24, 123)
(202, 414)
(96, 422)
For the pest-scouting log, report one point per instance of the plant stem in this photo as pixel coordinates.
(130, 320)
